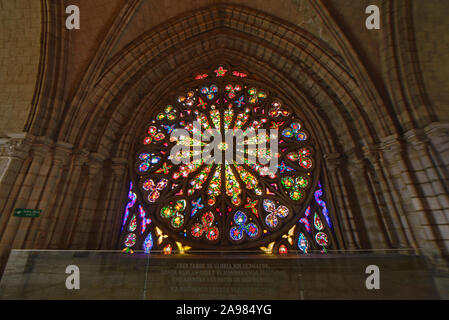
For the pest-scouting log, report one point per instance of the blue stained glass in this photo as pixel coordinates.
(303, 244)
(148, 243)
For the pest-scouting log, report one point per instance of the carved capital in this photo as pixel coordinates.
(437, 130)
(15, 146)
(372, 154)
(95, 164)
(97, 158)
(62, 153)
(392, 147)
(41, 148)
(438, 134)
(417, 139)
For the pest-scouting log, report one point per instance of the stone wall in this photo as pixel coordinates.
(113, 275)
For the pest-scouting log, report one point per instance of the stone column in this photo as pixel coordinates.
(65, 219)
(342, 211)
(368, 217)
(80, 232)
(393, 152)
(100, 212)
(110, 229)
(386, 205)
(53, 191)
(438, 135)
(438, 149)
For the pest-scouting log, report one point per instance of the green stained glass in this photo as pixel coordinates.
(233, 189)
(214, 189)
(250, 181)
(241, 119)
(216, 119)
(199, 180)
(133, 224)
(228, 116)
(202, 119)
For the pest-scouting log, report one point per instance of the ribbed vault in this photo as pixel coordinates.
(303, 67)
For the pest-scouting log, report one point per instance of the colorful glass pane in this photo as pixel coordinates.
(214, 189)
(144, 220)
(322, 239)
(317, 222)
(271, 219)
(305, 219)
(283, 249)
(174, 213)
(148, 243)
(132, 200)
(201, 201)
(133, 224)
(130, 240)
(318, 194)
(206, 227)
(303, 244)
(294, 186)
(237, 232)
(167, 249)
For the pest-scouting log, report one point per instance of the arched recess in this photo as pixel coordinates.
(312, 75)
(152, 66)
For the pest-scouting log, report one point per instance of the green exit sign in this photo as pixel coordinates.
(27, 213)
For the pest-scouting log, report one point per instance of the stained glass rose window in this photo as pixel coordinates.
(250, 190)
